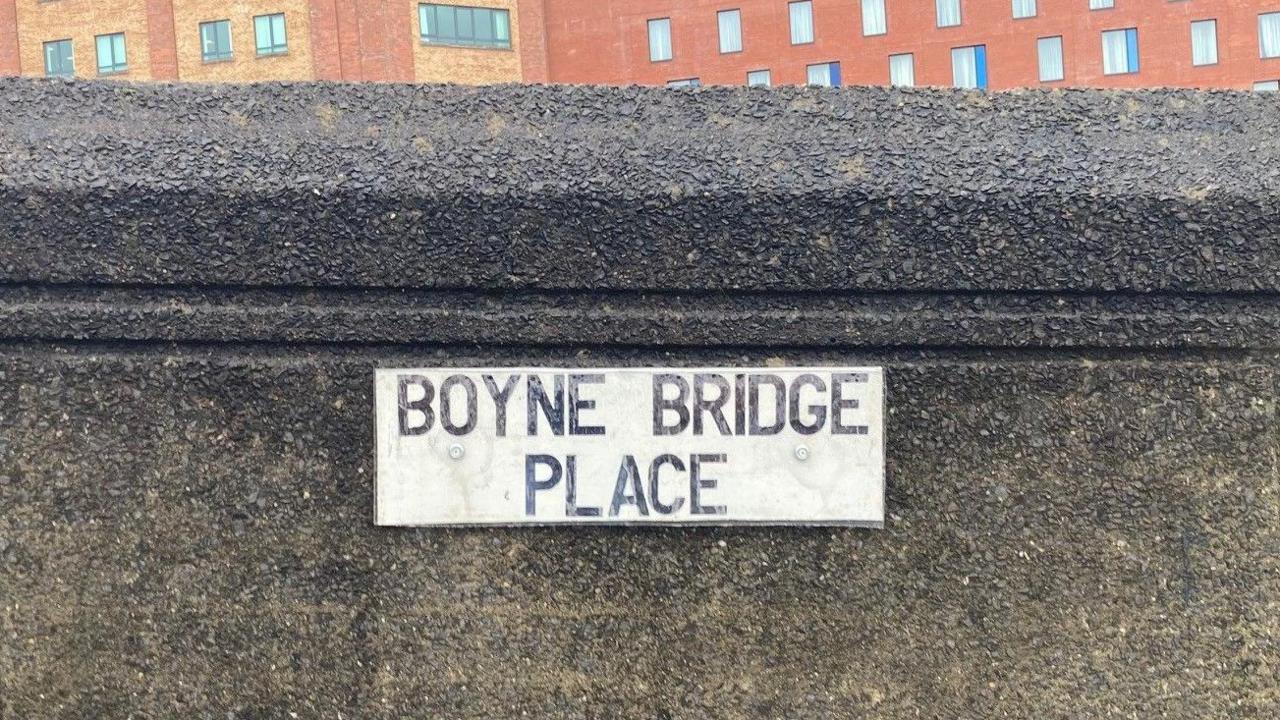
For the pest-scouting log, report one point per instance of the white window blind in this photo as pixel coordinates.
(730, 31)
(948, 12)
(874, 21)
(1204, 42)
(759, 78)
(1049, 52)
(660, 40)
(1101, 4)
(1269, 34)
(902, 70)
(801, 22)
(964, 68)
(1024, 8)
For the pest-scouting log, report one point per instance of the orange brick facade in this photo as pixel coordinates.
(606, 41)
(349, 40)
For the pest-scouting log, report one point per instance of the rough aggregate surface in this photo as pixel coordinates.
(639, 188)
(1073, 294)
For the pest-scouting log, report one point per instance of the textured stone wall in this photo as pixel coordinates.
(1074, 296)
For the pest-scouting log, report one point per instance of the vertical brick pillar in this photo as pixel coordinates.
(325, 57)
(362, 40)
(9, 58)
(533, 40)
(162, 41)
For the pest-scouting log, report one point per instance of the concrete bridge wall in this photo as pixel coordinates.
(1075, 295)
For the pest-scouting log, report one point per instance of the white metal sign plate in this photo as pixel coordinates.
(718, 446)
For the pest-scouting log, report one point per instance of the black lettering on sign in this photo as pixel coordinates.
(422, 405)
(819, 412)
(779, 404)
(661, 404)
(553, 411)
(628, 491)
(661, 507)
(571, 508)
(698, 483)
(500, 398)
(740, 404)
(532, 485)
(839, 403)
(446, 404)
(578, 404)
(713, 406)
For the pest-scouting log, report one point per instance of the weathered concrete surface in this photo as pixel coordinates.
(1083, 450)
(596, 188)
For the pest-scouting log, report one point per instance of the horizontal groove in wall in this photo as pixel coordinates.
(807, 320)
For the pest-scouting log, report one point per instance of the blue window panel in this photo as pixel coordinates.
(980, 63)
(835, 74)
(1131, 47)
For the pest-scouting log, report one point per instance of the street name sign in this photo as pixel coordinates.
(683, 446)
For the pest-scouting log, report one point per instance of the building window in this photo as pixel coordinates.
(1024, 9)
(874, 21)
(730, 30)
(215, 40)
(1204, 42)
(660, 40)
(824, 74)
(1269, 34)
(58, 60)
(1120, 51)
(1101, 4)
(759, 78)
(902, 70)
(1049, 53)
(686, 82)
(801, 22)
(969, 67)
(466, 26)
(268, 32)
(111, 58)
(948, 12)
(1267, 86)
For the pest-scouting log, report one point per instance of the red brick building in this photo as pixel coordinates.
(590, 41)
(995, 44)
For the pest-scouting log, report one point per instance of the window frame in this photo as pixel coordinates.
(937, 16)
(1062, 59)
(70, 57)
(671, 46)
(1132, 55)
(1270, 17)
(1035, 10)
(273, 49)
(981, 75)
(1216, 58)
(834, 79)
(910, 55)
(116, 68)
(230, 54)
(884, 15)
(768, 77)
(500, 32)
(791, 24)
(737, 12)
(1110, 5)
